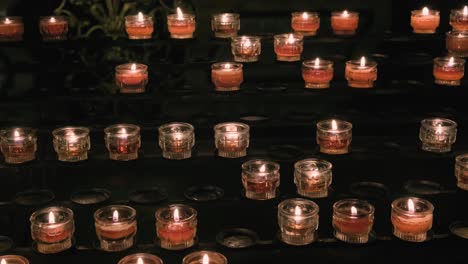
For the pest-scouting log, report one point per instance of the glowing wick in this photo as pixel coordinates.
(345, 13)
(262, 168)
(180, 15)
(353, 210)
(7, 21)
(51, 218)
(115, 216)
(305, 15)
(140, 17)
(140, 261)
(363, 61)
(290, 39)
(206, 259)
(224, 18)
(176, 215)
(451, 61)
(133, 67)
(411, 208)
(425, 11)
(317, 62)
(334, 125)
(52, 20)
(297, 211)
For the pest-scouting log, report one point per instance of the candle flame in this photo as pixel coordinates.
(115, 216)
(290, 39)
(16, 133)
(262, 168)
(140, 261)
(465, 11)
(133, 67)
(140, 17)
(297, 211)
(206, 259)
(411, 208)
(451, 61)
(345, 13)
(334, 125)
(363, 61)
(176, 215)
(224, 18)
(51, 218)
(425, 11)
(52, 20)
(227, 66)
(246, 42)
(7, 21)
(317, 62)
(3, 261)
(353, 210)
(305, 15)
(180, 15)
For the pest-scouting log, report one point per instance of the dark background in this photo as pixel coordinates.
(48, 85)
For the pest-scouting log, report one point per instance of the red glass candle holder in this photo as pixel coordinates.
(305, 23)
(313, 177)
(412, 218)
(11, 29)
(176, 226)
(457, 43)
(139, 26)
(232, 139)
(180, 25)
(317, 74)
(288, 47)
(334, 136)
(141, 258)
(448, 71)
(353, 220)
(176, 140)
(225, 25)
(461, 171)
(298, 220)
(227, 76)
(116, 227)
(425, 21)
(344, 23)
(246, 48)
(52, 229)
(459, 19)
(205, 257)
(131, 77)
(13, 259)
(123, 141)
(71, 143)
(361, 73)
(53, 28)
(18, 144)
(260, 178)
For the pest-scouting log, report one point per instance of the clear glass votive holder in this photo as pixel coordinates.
(71, 143)
(123, 141)
(317, 74)
(461, 171)
(18, 144)
(141, 258)
(52, 229)
(232, 139)
(298, 220)
(205, 257)
(425, 21)
(131, 77)
(457, 43)
(361, 73)
(176, 140)
(181, 26)
(448, 71)
(438, 134)
(53, 28)
(139, 26)
(116, 227)
(288, 47)
(13, 259)
(459, 19)
(227, 76)
(313, 177)
(11, 29)
(344, 23)
(261, 179)
(334, 136)
(176, 226)
(305, 23)
(225, 25)
(246, 48)
(353, 220)
(412, 218)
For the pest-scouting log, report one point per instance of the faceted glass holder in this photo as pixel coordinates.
(72, 143)
(232, 139)
(313, 177)
(457, 43)
(298, 221)
(412, 224)
(461, 171)
(260, 178)
(353, 220)
(176, 140)
(459, 20)
(14, 259)
(305, 23)
(317, 74)
(359, 76)
(246, 48)
(123, 141)
(198, 256)
(139, 26)
(334, 140)
(144, 257)
(227, 76)
(52, 229)
(18, 144)
(438, 134)
(53, 28)
(131, 77)
(448, 71)
(176, 226)
(11, 29)
(344, 23)
(225, 25)
(425, 23)
(181, 27)
(288, 47)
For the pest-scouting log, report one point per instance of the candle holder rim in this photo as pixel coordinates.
(359, 203)
(311, 62)
(312, 14)
(130, 218)
(12, 18)
(218, 65)
(27, 132)
(202, 252)
(193, 213)
(109, 130)
(347, 125)
(297, 36)
(246, 165)
(328, 165)
(369, 63)
(431, 122)
(314, 212)
(463, 159)
(69, 213)
(456, 33)
(457, 12)
(24, 260)
(242, 37)
(175, 16)
(190, 127)
(232, 15)
(57, 18)
(84, 131)
(418, 12)
(140, 255)
(350, 13)
(446, 59)
(396, 206)
(144, 15)
(127, 67)
(245, 127)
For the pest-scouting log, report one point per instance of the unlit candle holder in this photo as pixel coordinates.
(176, 140)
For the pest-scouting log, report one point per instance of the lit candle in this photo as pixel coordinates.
(260, 178)
(232, 139)
(180, 25)
(141, 258)
(412, 218)
(305, 23)
(438, 134)
(116, 227)
(246, 48)
(52, 228)
(227, 76)
(448, 71)
(131, 77)
(11, 29)
(176, 226)
(459, 19)
(457, 43)
(225, 25)
(176, 140)
(288, 47)
(71, 143)
(204, 257)
(361, 73)
(353, 220)
(344, 23)
(298, 221)
(139, 26)
(425, 21)
(18, 144)
(123, 141)
(317, 74)
(53, 28)
(334, 136)
(313, 177)
(461, 171)
(13, 259)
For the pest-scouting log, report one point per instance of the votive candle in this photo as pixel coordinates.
(317, 74)
(313, 177)
(205, 257)
(425, 21)
(139, 26)
(246, 48)
(438, 134)
(11, 29)
(225, 25)
(334, 136)
(131, 77)
(459, 19)
(288, 47)
(457, 43)
(298, 220)
(227, 76)
(53, 28)
(141, 258)
(176, 226)
(461, 171)
(260, 179)
(353, 220)
(232, 139)
(18, 144)
(305, 23)
(123, 141)
(176, 140)
(181, 25)
(448, 71)
(412, 218)
(344, 23)
(71, 143)
(13, 259)
(361, 73)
